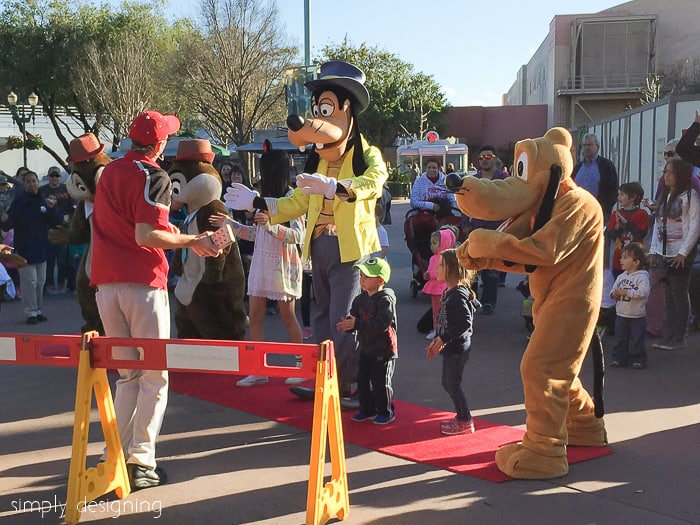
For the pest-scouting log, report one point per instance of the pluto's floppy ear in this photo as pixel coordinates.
(547, 204)
(550, 195)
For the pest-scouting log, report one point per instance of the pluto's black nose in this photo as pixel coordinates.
(453, 182)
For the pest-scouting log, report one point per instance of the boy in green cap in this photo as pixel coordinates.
(373, 316)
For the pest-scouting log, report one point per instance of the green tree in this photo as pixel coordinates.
(38, 39)
(399, 97)
(427, 104)
(67, 54)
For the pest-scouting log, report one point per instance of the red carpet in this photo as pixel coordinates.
(415, 435)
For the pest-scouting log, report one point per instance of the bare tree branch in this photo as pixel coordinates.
(234, 73)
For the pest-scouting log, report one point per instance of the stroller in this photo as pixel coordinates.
(418, 226)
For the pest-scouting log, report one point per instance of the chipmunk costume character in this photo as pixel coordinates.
(87, 158)
(555, 234)
(342, 180)
(209, 293)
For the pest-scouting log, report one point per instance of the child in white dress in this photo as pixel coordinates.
(276, 267)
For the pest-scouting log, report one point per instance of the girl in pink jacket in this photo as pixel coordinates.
(440, 240)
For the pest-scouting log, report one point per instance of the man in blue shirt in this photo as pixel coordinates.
(597, 175)
(489, 277)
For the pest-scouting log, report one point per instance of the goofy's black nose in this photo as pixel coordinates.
(295, 122)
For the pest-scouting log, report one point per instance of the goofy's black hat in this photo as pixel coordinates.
(336, 73)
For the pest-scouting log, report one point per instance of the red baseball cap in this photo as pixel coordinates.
(151, 127)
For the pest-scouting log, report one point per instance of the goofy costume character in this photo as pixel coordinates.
(338, 190)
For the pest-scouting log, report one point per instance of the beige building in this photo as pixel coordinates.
(591, 66)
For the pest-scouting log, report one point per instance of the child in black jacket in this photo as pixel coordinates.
(373, 316)
(453, 339)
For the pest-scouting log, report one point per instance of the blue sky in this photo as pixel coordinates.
(472, 49)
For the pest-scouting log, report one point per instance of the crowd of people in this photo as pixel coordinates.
(27, 212)
(666, 228)
(653, 244)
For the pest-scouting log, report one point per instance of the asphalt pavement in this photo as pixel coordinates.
(227, 467)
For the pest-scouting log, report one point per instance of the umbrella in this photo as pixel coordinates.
(277, 143)
(220, 150)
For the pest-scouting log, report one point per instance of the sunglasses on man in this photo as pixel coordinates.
(487, 157)
(669, 153)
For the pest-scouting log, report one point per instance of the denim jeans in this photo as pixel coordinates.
(629, 340)
(57, 261)
(452, 369)
(489, 280)
(677, 302)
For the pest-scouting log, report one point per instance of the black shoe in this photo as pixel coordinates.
(487, 309)
(41, 318)
(303, 392)
(143, 477)
(33, 320)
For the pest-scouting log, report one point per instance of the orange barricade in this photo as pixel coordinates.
(92, 355)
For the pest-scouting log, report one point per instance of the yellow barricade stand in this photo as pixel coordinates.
(323, 502)
(87, 484)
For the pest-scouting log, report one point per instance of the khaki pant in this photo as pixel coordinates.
(32, 278)
(134, 310)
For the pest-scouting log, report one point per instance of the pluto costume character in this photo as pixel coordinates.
(342, 180)
(87, 158)
(209, 293)
(556, 235)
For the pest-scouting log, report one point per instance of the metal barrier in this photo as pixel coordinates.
(92, 355)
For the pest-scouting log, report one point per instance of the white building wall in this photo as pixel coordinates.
(635, 140)
(676, 39)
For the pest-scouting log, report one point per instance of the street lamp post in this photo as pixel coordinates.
(21, 119)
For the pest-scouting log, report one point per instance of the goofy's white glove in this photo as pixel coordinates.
(240, 197)
(317, 184)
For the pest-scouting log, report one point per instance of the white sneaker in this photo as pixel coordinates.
(431, 335)
(294, 380)
(252, 381)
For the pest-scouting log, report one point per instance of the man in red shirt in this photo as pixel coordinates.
(129, 268)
